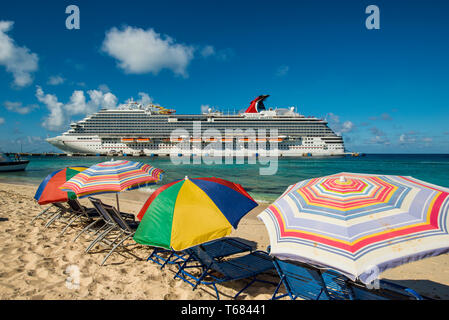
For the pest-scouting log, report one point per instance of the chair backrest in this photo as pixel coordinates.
(60, 206)
(112, 211)
(302, 280)
(337, 285)
(200, 254)
(75, 205)
(224, 247)
(99, 206)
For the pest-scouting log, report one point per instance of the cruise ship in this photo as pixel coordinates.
(134, 129)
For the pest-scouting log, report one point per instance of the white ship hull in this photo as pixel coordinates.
(72, 144)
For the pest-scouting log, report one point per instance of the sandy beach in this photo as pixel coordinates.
(34, 260)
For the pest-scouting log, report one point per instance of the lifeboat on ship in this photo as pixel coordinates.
(128, 140)
(143, 140)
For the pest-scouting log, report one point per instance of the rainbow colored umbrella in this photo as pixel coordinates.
(192, 211)
(49, 192)
(112, 177)
(359, 224)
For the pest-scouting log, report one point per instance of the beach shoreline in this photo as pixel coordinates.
(34, 260)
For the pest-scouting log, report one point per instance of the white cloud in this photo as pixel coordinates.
(403, 139)
(17, 60)
(383, 116)
(141, 51)
(337, 126)
(2, 121)
(380, 140)
(207, 51)
(56, 119)
(347, 126)
(55, 80)
(145, 99)
(204, 108)
(282, 71)
(377, 132)
(19, 108)
(104, 88)
(78, 105)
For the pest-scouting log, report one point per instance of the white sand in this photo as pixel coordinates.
(33, 260)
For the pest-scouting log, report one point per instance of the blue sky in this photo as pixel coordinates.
(385, 90)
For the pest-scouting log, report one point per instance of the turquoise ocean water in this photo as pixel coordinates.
(432, 168)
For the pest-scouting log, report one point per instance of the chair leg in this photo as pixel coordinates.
(153, 254)
(216, 291)
(85, 229)
(57, 215)
(202, 276)
(40, 214)
(99, 230)
(72, 220)
(115, 247)
(281, 281)
(116, 238)
(168, 259)
(245, 287)
(181, 268)
(99, 238)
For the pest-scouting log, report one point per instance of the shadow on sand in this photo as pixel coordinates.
(428, 288)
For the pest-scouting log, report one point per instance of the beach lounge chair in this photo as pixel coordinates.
(387, 291)
(217, 249)
(309, 282)
(300, 280)
(340, 287)
(79, 212)
(61, 212)
(115, 222)
(45, 212)
(215, 270)
(96, 218)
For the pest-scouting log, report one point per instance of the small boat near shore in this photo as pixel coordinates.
(7, 163)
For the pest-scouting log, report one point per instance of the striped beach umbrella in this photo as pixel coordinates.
(192, 211)
(359, 224)
(112, 177)
(49, 192)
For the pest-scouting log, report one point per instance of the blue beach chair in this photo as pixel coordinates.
(308, 282)
(339, 287)
(215, 270)
(300, 281)
(217, 249)
(387, 291)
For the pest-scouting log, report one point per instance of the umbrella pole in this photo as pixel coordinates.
(116, 198)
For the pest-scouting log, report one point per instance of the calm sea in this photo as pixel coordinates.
(433, 168)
